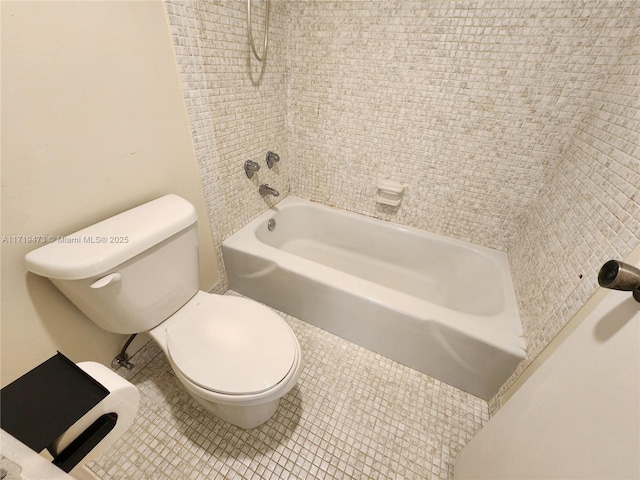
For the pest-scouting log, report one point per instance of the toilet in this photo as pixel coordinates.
(138, 272)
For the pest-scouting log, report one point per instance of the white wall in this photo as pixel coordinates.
(93, 123)
(577, 415)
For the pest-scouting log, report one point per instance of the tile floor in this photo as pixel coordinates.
(353, 415)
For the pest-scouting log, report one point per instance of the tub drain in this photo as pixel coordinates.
(271, 225)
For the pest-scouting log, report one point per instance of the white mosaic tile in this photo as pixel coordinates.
(236, 106)
(353, 414)
(589, 210)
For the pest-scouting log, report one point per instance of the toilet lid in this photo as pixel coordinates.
(233, 346)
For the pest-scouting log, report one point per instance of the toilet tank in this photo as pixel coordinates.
(129, 272)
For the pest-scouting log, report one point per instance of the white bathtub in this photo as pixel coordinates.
(443, 307)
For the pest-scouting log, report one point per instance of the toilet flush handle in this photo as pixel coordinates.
(106, 280)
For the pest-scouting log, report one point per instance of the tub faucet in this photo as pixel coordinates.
(267, 190)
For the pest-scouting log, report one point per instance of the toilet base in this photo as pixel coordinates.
(245, 417)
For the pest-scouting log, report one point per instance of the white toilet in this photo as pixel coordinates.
(138, 271)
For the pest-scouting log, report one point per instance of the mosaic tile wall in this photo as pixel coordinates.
(236, 106)
(513, 124)
(589, 211)
(468, 103)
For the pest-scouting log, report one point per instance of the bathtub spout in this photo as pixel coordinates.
(267, 190)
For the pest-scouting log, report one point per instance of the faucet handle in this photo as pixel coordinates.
(250, 167)
(272, 158)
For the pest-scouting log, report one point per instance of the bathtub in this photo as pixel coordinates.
(440, 306)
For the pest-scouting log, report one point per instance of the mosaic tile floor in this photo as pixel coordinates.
(352, 415)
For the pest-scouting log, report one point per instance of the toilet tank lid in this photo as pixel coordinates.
(97, 249)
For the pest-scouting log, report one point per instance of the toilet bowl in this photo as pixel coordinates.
(235, 357)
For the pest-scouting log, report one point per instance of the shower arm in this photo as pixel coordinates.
(266, 31)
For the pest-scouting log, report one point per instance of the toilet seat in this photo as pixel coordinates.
(232, 346)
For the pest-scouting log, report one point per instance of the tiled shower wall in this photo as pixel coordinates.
(470, 104)
(457, 100)
(513, 124)
(236, 106)
(589, 210)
